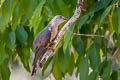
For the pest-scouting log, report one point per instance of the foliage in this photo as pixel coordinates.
(21, 20)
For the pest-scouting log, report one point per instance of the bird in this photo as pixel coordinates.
(44, 40)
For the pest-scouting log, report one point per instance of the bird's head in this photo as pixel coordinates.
(57, 20)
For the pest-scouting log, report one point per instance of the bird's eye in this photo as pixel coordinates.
(36, 47)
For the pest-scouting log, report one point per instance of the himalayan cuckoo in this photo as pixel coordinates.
(44, 39)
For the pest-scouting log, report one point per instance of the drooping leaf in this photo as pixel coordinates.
(78, 45)
(7, 9)
(37, 27)
(30, 36)
(28, 7)
(68, 37)
(46, 64)
(24, 54)
(98, 40)
(116, 20)
(17, 13)
(84, 69)
(114, 75)
(59, 46)
(56, 71)
(62, 7)
(100, 5)
(115, 66)
(107, 71)
(21, 34)
(10, 40)
(105, 13)
(4, 71)
(82, 21)
(71, 65)
(2, 24)
(78, 63)
(54, 8)
(2, 53)
(63, 59)
(94, 55)
(115, 1)
(95, 73)
(34, 21)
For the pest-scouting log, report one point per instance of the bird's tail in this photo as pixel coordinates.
(38, 55)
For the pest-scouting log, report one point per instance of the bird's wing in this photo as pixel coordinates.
(39, 45)
(42, 38)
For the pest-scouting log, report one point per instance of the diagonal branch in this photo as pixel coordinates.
(65, 28)
(87, 35)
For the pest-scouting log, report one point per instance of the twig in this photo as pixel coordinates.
(115, 52)
(87, 35)
(65, 28)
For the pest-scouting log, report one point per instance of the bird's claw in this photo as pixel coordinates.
(49, 47)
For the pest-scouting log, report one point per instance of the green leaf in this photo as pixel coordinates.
(7, 9)
(2, 53)
(115, 66)
(64, 9)
(30, 36)
(71, 65)
(78, 45)
(21, 34)
(55, 10)
(95, 73)
(24, 54)
(84, 69)
(4, 71)
(82, 21)
(115, 1)
(114, 75)
(78, 63)
(37, 27)
(17, 13)
(105, 13)
(100, 5)
(56, 71)
(68, 37)
(28, 7)
(63, 59)
(116, 20)
(2, 24)
(36, 15)
(10, 40)
(98, 40)
(107, 71)
(60, 44)
(94, 55)
(46, 64)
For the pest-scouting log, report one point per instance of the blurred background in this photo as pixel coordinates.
(93, 56)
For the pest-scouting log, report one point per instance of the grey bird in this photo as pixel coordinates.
(44, 39)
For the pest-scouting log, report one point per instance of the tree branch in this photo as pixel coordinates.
(87, 35)
(65, 28)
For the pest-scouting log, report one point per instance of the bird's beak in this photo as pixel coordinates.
(65, 19)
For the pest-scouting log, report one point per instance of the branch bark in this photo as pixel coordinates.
(65, 28)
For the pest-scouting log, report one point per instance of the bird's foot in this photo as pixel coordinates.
(52, 43)
(51, 48)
